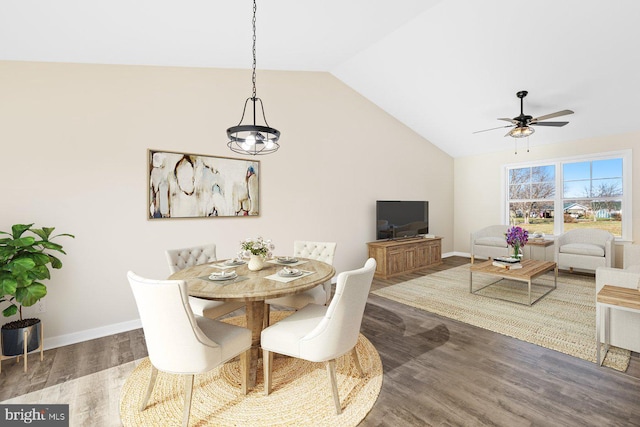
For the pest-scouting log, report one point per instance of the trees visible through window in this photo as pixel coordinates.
(592, 195)
(562, 195)
(531, 194)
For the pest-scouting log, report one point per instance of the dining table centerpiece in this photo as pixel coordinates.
(257, 250)
(517, 237)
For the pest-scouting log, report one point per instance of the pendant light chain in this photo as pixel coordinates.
(253, 139)
(253, 75)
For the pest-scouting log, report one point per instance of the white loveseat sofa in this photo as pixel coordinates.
(585, 249)
(624, 326)
(489, 242)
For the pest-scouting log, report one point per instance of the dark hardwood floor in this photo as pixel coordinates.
(437, 372)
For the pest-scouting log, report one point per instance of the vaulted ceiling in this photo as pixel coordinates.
(445, 68)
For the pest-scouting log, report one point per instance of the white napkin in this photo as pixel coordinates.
(289, 271)
(222, 274)
(285, 279)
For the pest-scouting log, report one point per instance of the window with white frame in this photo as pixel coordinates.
(555, 196)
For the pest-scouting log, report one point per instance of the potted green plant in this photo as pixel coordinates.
(25, 258)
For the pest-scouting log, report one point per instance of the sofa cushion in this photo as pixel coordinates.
(498, 242)
(582, 249)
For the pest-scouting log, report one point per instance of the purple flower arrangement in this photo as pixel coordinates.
(517, 237)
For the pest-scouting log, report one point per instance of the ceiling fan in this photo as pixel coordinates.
(521, 125)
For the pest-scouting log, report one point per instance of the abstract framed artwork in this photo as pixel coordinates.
(196, 186)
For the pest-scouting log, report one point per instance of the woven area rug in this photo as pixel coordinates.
(301, 393)
(564, 320)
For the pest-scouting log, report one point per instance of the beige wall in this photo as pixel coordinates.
(74, 142)
(478, 181)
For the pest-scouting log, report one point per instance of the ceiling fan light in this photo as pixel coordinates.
(521, 131)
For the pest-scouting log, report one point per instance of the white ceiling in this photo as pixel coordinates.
(445, 68)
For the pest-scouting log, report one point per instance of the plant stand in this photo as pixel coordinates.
(26, 342)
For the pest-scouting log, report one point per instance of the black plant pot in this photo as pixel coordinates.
(13, 338)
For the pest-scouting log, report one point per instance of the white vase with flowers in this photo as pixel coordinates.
(258, 250)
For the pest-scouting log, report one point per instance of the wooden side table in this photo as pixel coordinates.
(539, 249)
(616, 298)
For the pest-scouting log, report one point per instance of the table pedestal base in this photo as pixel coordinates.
(255, 318)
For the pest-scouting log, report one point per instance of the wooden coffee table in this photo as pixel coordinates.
(530, 270)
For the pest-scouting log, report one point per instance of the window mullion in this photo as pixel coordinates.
(558, 205)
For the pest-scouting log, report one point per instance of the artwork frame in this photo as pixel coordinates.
(187, 185)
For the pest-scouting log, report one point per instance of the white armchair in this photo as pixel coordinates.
(624, 326)
(178, 342)
(320, 333)
(586, 249)
(489, 242)
(180, 259)
(321, 294)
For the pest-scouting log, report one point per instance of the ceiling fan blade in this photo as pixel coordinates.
(499, 127)
(552, 115)
(556, 124)
(515, 122)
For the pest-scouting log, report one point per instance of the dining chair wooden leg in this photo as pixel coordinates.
(244, 370)
(152, 382)
(188, 391)
(331, 369)
(267, 364)
(267, 310)
(327, 290)
(356, 360)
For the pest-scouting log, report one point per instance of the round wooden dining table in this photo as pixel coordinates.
(252, 287)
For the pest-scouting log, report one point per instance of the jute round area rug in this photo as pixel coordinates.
(301, 393)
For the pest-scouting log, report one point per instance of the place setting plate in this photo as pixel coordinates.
(290, 272)
(234, 262)
(223, 276)
(287, 260)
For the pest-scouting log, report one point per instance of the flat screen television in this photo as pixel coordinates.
(397, 219)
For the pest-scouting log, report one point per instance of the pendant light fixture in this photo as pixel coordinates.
(253, 139)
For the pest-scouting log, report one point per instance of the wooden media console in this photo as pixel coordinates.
(402, 256)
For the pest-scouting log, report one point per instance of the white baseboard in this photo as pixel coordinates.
(90, 334)
(462, 254)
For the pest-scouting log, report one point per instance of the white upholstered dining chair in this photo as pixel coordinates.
(179, 342)
(321, 294)
(180, 259)
(320, 333)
